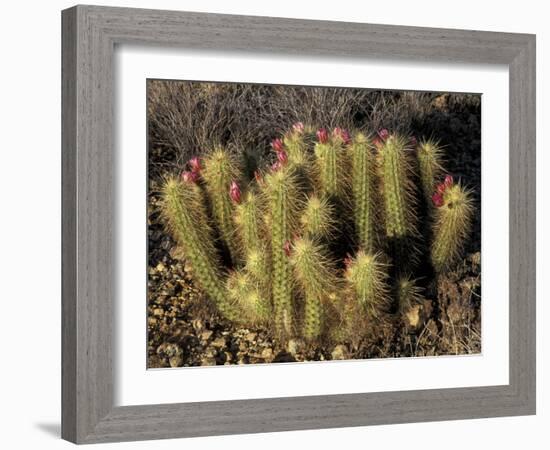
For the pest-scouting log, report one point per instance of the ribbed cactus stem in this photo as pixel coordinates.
(429, 165)
(218, 173)
(408, 293)
(317, 219)
(248, 220)
(366, 274)
(452, 220)
(331, 168)
(183, 208)
(397, 187)
(281, 193)
(315, 275)
(363, 173)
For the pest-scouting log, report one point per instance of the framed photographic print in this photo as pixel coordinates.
(268, 230)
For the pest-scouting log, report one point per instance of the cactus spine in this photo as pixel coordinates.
(281, 192)
(452, 219)
(183, 208)
(363, 175)
(367, 275)
(429, 165)
(218, 173)
(247, 218)
(315, 275)
(249, 299)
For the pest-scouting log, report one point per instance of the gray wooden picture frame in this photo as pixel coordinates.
(90, 34)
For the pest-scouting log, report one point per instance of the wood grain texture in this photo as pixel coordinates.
(89, 36)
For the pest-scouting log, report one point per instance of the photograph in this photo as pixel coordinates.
(299, 223)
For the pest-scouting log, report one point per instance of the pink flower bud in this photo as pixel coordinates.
(342, 134)
(235, 192)
(377, 142)
(322, 135)
(195, 164)
(448, 181)
(298, 127)
(287, 248)
(277, 145)
(384, 134)
(282, 157)
(189, 177)
(440, 188)
(437, 200)
(413, 141)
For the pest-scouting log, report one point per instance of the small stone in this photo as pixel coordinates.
(208, 361)
(267, 354)
(206, 335)
(176, 361)
(340, 352)
(160, 267)
(159, 312)
(251, 337)
(219, 342)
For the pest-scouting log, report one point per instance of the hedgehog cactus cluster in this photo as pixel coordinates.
(328, 232)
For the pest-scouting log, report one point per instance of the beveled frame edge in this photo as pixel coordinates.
(89, 34)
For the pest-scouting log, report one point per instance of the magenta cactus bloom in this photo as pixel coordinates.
(276, 166)
(282, 157)
(235, 192)
(195, 164)
(448, 181)
(384, 134)
(440, 188)
(377, 142)
(277, 145)
(348, 260)
(437, 200)
(189, 177)
(298, 127)
(342, 134)
(322, 135)
(287, 248)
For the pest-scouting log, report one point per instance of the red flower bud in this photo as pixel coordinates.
(195, 164)
(277, 145)
(189, 177)
(440, 188)
(342, 134)
(413, 141)
(282, 157)
(377, 142)
(322, 135)
(276, 166)
(384, 134)
(298, 127)
(235, 192)
(437, 200)
(448, 181)
(287, 248)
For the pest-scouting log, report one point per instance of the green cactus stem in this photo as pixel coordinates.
(367, 276)
(248, 221)
(429, 157)
(184, 211)
(281, 193)
(315, 275)
(397, 187)
(218, 173)
(408, 292)
(363, 175)
(331, 168)
(317, 219)
(452, 221)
